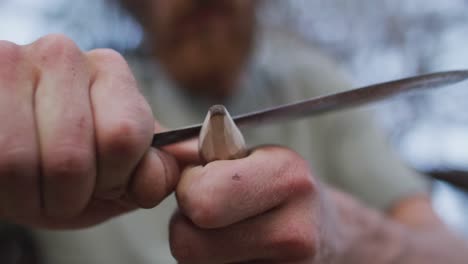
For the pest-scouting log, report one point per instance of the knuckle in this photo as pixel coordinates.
(127, 137)
(296, 243)
(15, 162)
(303, 183)
(201, 207)
(297, 174)
(57, 49)
(108, 62)
(181, 250)
(182, 247)
(11, 56)
(67, 162)
(203, 212)
(108, 55)
(9, 52)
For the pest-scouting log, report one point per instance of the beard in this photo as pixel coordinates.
(206, 43)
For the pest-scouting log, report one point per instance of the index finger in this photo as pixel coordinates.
(226, 192)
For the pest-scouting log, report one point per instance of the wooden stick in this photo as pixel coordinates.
(220, 139)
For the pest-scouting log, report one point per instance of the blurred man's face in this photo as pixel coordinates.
(203, 44)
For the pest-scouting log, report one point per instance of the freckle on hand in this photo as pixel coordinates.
(236, 177)
(82, 123)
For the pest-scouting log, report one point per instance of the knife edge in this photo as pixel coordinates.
(323, 104)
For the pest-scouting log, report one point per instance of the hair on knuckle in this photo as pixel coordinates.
(58, 50)
(109, 55)
(10, 53)
(11, 56)
(106, 58)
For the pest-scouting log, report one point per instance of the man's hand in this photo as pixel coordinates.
(75, 135)
(266, 208)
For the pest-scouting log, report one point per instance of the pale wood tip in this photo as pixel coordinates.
(217, 110)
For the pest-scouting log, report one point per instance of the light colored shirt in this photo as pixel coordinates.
(344, 149)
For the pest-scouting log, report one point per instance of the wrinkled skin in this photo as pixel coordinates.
(252, 210)
(75, 137)
(72, 158)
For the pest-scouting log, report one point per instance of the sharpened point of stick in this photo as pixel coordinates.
(220, 138)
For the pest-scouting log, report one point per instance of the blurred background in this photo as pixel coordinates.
(374, 41)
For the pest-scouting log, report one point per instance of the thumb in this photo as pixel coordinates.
(186, 153)
(158, 172)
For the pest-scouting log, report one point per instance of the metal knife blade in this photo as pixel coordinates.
(323, 104)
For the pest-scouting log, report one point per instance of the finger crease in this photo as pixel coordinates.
(167, 187)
